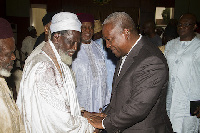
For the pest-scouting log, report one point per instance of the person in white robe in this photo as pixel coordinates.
(10, 119)
(110, 58)
(28, 43)
(183, 58)
(47, 99)
(90, 69)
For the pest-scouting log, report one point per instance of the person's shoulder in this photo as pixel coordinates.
(35, 59)
(173, 41)
(26, 38)
(197, 39)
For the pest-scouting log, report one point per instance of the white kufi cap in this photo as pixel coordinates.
(65, 21)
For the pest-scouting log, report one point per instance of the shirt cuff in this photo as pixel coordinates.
(102, 124)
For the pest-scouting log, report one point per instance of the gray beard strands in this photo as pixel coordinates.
(4, 72)
(65, 58)
(49, 35)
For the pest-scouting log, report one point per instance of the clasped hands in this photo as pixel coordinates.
(95, 119)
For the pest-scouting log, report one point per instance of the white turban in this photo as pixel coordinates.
(65, 21)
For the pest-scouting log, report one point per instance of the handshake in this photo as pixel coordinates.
(95, 119)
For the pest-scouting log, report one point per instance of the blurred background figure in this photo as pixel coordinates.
(169, 34)
(183, 59)
(110, 58)
(197, 30)
(90, 69)
(28, 43)
(149, 31)
(97, 37)
(159, 31)
(45, 36)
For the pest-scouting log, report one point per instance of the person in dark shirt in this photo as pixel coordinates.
(46, 20)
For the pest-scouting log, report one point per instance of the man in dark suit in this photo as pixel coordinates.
(138, 102)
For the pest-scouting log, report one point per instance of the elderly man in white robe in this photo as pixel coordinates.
(47, 99)
(10, 120)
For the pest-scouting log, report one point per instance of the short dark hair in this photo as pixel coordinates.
(121, 20)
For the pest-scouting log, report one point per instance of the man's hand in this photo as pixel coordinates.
(96, 121)
(87, 114)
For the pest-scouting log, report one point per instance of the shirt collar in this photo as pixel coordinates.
(133, 46)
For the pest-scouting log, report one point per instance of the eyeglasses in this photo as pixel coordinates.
(184, 25)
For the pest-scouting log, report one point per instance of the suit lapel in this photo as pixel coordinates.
(128, 62)
(116, 70)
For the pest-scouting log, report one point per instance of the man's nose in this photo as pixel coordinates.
(108, 45)
(75, 46)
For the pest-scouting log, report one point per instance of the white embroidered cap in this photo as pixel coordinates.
(65, 21)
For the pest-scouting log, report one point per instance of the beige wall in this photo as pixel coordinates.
(36, 19)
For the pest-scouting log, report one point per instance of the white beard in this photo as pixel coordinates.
(65, 58)
(4, 72)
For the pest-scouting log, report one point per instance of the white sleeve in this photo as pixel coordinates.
(48, 109)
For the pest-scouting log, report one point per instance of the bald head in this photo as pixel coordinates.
(190, 17)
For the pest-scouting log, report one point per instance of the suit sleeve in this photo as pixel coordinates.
(145, 82)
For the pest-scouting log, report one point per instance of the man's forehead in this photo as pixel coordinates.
(8, 43)
(187, 17)
(87, 23)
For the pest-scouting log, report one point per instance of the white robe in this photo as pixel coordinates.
(10, 120)
(110, 61)
(46, 100)
(91, 77)
(27, 46)
(183, 58)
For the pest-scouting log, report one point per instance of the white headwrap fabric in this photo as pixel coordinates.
(65, 21)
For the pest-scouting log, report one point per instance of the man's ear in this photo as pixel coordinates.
(195, 27)
(46, 30)
(126, 33)
(56, 37)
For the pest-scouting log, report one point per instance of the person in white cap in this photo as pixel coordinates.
(47, 99)
(10, 120)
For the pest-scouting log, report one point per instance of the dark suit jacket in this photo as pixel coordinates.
(138, 101)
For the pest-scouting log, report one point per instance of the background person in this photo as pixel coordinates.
(28, 43)
(90, 69)
(149, 30)
(183, 58)
(110, 58)
(10, 120)
(46, 35)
